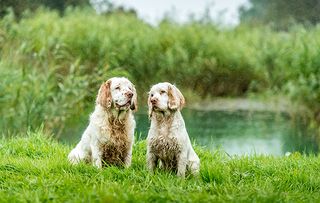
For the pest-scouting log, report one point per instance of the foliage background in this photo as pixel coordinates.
(53, 59)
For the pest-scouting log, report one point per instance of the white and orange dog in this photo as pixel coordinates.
(110, 134)
(168, 141)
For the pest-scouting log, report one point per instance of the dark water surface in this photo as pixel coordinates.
(237, 132)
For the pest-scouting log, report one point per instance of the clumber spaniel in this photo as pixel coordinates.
(110, 134)
(168, 140)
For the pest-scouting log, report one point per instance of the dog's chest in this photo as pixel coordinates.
(165, 145)
(116, 145)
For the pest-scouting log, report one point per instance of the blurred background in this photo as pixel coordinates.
(249, 69)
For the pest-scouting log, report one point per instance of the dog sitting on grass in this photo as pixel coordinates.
(110, 134)
(168, 141)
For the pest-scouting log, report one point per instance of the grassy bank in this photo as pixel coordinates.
(35, 169)
(51, 66)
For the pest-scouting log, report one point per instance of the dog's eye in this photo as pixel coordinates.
(162, 92)
(117, 88)
(151, 95)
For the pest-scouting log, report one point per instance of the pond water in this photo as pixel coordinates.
(236, 132)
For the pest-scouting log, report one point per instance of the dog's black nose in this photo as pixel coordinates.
(154, 101)
(129, 94)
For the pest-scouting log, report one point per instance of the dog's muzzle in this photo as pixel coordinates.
(124, 105)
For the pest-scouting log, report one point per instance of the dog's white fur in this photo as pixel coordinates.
(110, 134)
(168, 140)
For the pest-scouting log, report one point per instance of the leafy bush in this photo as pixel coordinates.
(51, 66)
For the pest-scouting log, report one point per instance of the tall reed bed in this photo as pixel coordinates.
(51, 66)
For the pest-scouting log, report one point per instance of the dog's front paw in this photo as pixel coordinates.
(181, 174)
(97, 163)
(194, 167)
(74, 157)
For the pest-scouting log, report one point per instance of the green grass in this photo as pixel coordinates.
(34, 168)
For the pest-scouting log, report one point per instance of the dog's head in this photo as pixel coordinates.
(165, 97)
(118, 93)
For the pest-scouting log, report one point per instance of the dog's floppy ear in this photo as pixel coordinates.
(104, 95)
(176, 99)
(134, 101)
(149, 106)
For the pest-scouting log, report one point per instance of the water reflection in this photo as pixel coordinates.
(240, 132)
(243, 132)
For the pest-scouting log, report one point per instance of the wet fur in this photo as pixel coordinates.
(109, 137)
(165, 146)
(115, 151)
(168, 143)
